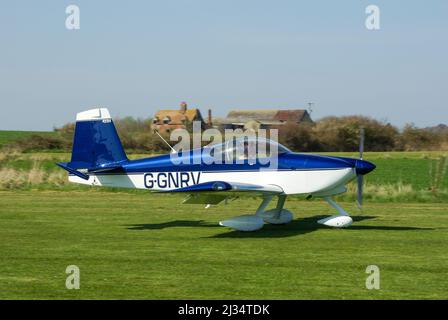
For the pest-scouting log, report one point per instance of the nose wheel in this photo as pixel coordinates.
(342, 220)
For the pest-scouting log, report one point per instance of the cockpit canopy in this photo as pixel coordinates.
(246, 148)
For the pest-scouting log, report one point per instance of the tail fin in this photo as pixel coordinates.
(96, 142)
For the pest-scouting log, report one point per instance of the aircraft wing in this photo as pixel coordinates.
(220, 186)
(214, 192)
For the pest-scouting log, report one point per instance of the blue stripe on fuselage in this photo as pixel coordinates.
(286, 161)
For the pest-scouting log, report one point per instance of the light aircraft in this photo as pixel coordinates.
(98, 159)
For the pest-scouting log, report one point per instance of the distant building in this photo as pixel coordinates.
(264, 119)
(165, 121)
(439, 129)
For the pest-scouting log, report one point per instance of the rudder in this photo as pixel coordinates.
(96, 142)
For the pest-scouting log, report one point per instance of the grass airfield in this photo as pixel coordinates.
(147, 246)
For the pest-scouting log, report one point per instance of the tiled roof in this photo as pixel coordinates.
(288, 115)
(177, 116)
(265, 116)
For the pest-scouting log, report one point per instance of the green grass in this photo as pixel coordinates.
(150, 246)
(411, 168)
(10, 136)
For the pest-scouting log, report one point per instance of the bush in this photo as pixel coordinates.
(415, 139)
(299, 137)
(342, 134)
(328, 134)
(39, 142)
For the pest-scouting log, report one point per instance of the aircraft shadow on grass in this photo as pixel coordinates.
(172, 224)
(294, 228)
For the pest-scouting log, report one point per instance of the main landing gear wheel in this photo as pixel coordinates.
(247, 222)
(256, 221)
(273, 217)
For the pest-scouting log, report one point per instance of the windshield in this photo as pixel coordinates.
(247, 148)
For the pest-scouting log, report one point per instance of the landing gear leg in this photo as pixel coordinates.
(342, 220)
(252, 222)
(280, 204)
(263, 205)
(277, 215)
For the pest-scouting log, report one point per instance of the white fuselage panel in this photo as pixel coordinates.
(291, 181)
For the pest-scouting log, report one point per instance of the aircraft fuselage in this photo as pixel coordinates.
(295, 174)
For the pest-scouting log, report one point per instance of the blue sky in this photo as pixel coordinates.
(138, 56)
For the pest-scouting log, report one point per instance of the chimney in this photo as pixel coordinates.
(209, 120)
(183, 107)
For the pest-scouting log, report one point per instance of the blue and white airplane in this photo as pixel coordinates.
(98, 159)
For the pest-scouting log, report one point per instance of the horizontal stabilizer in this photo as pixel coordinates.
(109, 168)
(64, 165)
(73, 169)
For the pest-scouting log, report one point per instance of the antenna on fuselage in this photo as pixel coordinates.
(172, 149)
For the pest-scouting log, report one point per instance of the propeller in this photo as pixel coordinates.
(362, 134)
(360, 177)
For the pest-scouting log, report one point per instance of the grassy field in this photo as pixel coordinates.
(10, 136)
(132, 244)
(149, 246)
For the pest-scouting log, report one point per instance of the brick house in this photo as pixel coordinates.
(264, 118)
(165, 121)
